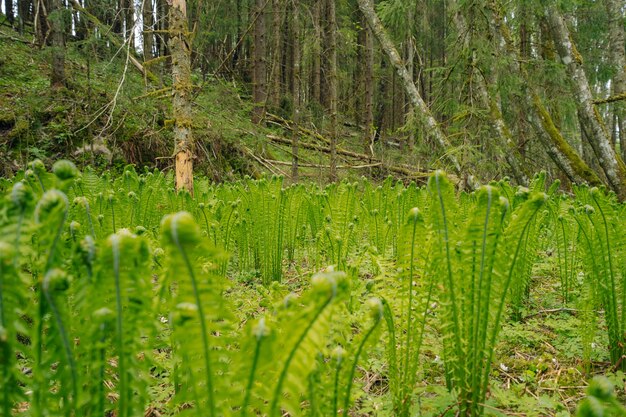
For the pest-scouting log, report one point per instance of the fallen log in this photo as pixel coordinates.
(419, 176)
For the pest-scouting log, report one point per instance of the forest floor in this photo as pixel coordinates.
(541, 369)
(108, 116)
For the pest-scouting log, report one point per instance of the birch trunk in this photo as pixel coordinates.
(181, 104)
(422, 110)
(558, 149)
(598, 136)
(614, 9)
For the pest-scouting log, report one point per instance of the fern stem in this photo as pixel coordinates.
(88, 211)
(115, 241)
(501, 304)
(346, 403)
(410, 306)
(453, 302)
(202, 318)
(336, 386)
(255, 361)
(292, 353)
(67, 349)
(5, 361)
(612, 311)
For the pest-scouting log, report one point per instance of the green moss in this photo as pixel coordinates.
(578, 165)
(20, 129)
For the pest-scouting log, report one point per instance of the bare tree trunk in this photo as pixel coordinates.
(57, 78)
(273, 97)
(181, 104)
(332, 85)
(368, 94)
(598, 135)
(614, 9)
(8, 9)
(23, 14)
(259, 93)
(129, 22)
(423, 112)
(147, 14)
(316, 76)
(295, 84)
(503, 135)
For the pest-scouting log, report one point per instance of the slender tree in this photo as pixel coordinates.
(57, 77)
(8, 10)
(432, 126)
(331, 52)
(259, 72)
(147, 14)
(295, 84)
(617, 55)
(181, 105)
(596, 132)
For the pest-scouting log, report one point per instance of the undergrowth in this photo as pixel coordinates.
(119, 295)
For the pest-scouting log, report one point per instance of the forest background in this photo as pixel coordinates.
(321, 89)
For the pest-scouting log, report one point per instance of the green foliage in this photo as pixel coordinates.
(115, 307)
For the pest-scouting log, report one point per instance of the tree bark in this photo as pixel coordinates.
(181, 103)
(332, 85)
(368, 86)
(316, 65)
(23, 14)
(129, 22)
(259, 93)
(295, 85)
(598, 135)
(614, 9)
(147, 14)
(8, 10)
(57, 78)
(423, 112)
(273, 99)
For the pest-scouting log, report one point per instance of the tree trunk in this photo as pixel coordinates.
(259, 94)
(273, 98)
(148, 27)
(504, 138)
(614, 9)
(129, 15)
(368, 84)
(423, 112)
(295, 84)
(23, 14)
(331, 36)
(598, 135)
(316, 70)
(558, 149)
(8, 9)
(163, 26)
(181, 103)
(57, 78)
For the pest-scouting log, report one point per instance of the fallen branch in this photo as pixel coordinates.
(304, 165)
(611, 99)
(405, 172)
